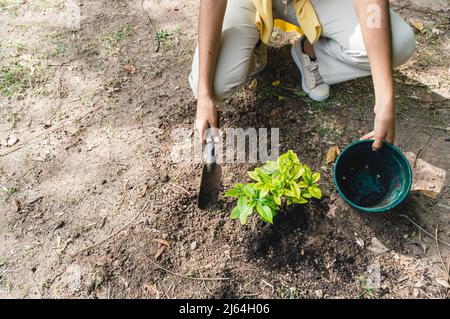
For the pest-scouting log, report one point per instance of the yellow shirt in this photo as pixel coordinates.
(306, 16)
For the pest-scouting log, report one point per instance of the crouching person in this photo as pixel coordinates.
(340, 40)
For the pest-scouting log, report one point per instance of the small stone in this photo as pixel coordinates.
(359, 241)
(194, 245)
(16, 206)
(377, 247)
(319, 293)
(72, 277)
(11, 140)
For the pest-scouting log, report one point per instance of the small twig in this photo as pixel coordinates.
(180, 275)
(422, 149)
(133, 220)
(169, 290)
(151, 26)
(443, 206)
(204, 282)
(439, 128)
(268, 284)
(447, 245)
(352, 117)
(37, 286)
(181, 188)
(436, 240)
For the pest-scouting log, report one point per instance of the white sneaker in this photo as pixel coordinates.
(312, 82)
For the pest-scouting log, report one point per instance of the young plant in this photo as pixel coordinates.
(276, 184)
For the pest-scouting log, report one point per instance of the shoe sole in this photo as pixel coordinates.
(304, 88)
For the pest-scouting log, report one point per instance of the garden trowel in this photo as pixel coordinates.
(211, 179)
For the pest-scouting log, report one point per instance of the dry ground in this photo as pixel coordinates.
(87, 184)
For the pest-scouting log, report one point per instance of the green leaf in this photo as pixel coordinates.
(273, 206)
(277, 199)
(254, 175)
(315, 192)
(315, 177)
(289, 193)
(306, 194)
(307, 174)
(248, 190)
(236, 191)
(300, 93)
(296, 189)
(302, 184)
(242, 203)
(233, 193)
(235, 213)
(299, 200)
(265, 212)
(245, 209)
(300, 172)
(270, 167)
(264, 192)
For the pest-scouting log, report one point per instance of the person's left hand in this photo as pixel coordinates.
(384, 127)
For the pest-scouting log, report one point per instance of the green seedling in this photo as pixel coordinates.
(288, 293)
(365, 291)
(276, 184)
(161, 36)
(8, 191)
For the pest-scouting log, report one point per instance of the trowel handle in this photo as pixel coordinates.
(210, 151)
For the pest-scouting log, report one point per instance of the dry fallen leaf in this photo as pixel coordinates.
(275, 112)
(253, 84)
(332, 154)
(164, 244)
(143, 191)
(16, 205)
(11, 140)
(418, 25)
(152, 290)
(160, 251)
(443, 282)
(428, 179)
(129, 68)
(161, 242)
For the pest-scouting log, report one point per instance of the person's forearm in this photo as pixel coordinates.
(209, 34)
(374, 17)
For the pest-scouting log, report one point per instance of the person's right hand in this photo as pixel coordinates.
(206, 115)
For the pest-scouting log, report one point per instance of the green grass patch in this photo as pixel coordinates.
(112, 40)
(14, 79)
(10, 7)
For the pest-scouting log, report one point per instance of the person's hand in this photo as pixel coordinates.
(384, 127)
(206, 115)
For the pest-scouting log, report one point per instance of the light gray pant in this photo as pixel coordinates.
(340, 51)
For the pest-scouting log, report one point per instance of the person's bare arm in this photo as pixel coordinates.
(209, 33)
(378, 43)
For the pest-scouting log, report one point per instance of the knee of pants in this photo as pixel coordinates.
(403, 43)
(222, 88)
(232, 63)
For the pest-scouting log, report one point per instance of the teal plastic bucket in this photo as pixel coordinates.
(372, 181)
